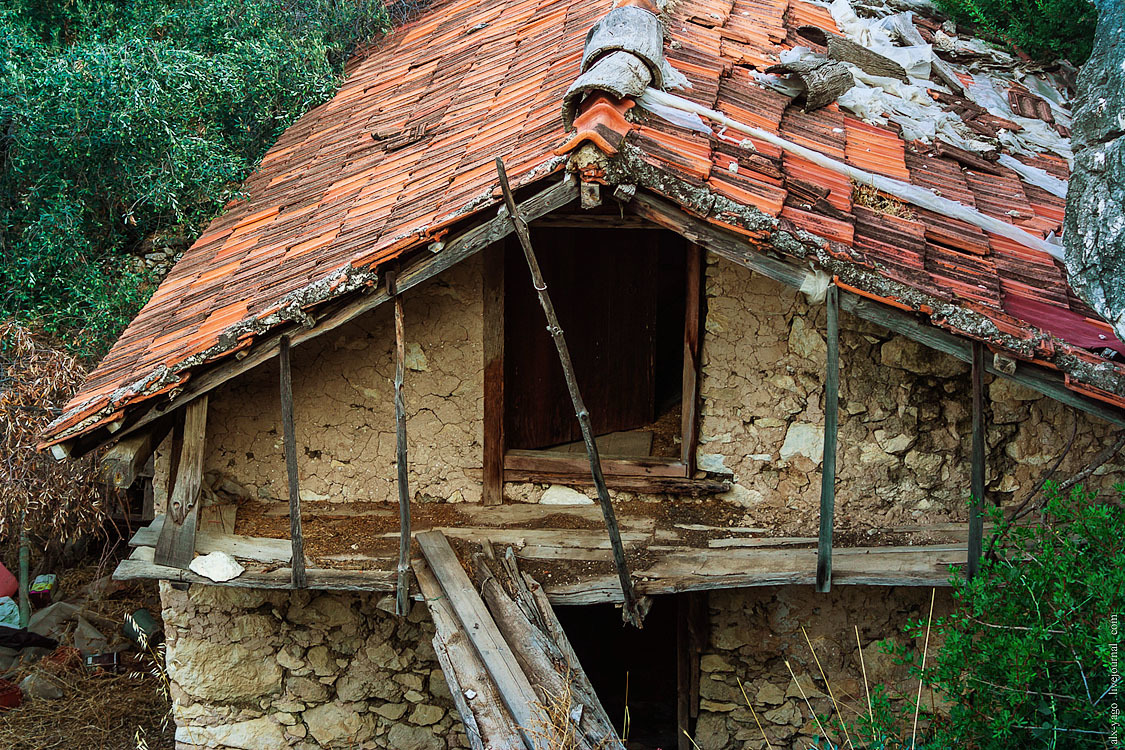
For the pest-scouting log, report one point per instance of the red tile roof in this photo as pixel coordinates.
(407, 146)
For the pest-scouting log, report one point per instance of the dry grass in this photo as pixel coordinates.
(869, 197)
(103, 712)
(98, 711)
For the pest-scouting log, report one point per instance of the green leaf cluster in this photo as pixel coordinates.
(125, 126)
(1028, 657)
(1045, 29)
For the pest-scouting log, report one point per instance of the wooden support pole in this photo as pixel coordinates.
(493, 346)
(976, 507)
(176, 544)
(630, 610)
(831, 424)
(290, 437)
(124, 462)
(402, 581)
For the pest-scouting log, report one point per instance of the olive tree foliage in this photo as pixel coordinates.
(125, 126)
(1045, 29)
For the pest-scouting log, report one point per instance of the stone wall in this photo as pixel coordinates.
(263, 670)
(905, 418)
(343, 392)
(753, 632)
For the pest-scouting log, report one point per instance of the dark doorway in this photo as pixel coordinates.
(620, 298)
(608, 651)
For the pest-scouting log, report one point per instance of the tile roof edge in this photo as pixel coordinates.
(104, 408)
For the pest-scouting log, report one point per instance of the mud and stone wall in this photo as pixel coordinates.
(343, 392)
(263, 670)
(754, 632)
(905, 418)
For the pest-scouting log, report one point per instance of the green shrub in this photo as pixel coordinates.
(1045, 29)
(1029, 655)
(128, 123)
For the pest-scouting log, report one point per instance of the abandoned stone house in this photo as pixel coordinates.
(809, 309)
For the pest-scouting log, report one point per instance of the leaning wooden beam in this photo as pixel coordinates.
(266, 347)
(290, 440)
(630, 611)
(124, 462)
(402, 587)
(831, 426)
(736, 249)
(176, 545)
(487, 722)
(515, 689)
(976, 508)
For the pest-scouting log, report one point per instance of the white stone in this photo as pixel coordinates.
(310, 496)
(217, 566)
(556, 494)
(416, 358)
(341, 724)
(743, 496)
(256, 734)
(803, 439)
(713, 463)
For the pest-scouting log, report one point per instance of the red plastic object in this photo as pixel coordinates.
(10, 695)
(8, 583)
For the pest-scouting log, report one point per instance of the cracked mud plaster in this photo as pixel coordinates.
(261, 670)
(343, 393)
(753, 632)
(905, 418)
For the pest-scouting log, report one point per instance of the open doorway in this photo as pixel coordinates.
(621, 299)
(648, 659)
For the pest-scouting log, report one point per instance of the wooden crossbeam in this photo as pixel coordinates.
(630, 610)
(831, 427)
(176, 545)
(976, 509)
(124, 462)
(402, 584)
(290, 439)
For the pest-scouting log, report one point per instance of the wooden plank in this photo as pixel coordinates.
(831, 426)
(647, 485)
(515, 690)
(290, 439)
(551, 462)
(977, 479)
(261, 549)
(738, 250)
(215, 518)
(464, 671)
(402, 479)
(176, 545)
(630, 610)
(493, 347)
(140, 566)
(693, 321)
(124, 462)
(426, 266)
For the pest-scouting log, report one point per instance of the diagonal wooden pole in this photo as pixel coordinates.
(402, 584)
(630, 612)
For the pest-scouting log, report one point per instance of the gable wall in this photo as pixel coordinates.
(904, 423)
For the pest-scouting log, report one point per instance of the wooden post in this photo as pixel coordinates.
(689, 403)
(297, 566)
(493, 345)
(683, 674)
(630, 610)
(176, 544)
(976, 507)
(402, 584)
(831, 422)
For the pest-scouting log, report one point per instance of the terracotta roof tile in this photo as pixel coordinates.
(408, 142)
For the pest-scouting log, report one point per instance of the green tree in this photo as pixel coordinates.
(1044, 29)
(1028, 658)
(126, 126)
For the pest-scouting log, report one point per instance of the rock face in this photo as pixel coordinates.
(1095, 208)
